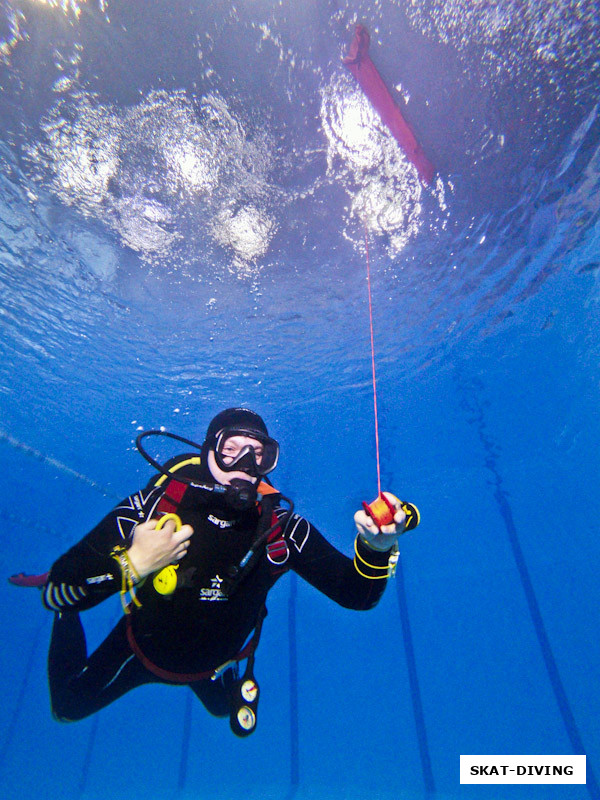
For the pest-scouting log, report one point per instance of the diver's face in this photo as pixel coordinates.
(230, 450)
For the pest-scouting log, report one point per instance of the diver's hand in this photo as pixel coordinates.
(387, 537)
(153, 549)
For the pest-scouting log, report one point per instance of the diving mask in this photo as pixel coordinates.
(234, 453)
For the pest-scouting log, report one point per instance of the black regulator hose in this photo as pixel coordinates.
(158, 467)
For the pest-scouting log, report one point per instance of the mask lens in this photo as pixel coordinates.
(233, 451)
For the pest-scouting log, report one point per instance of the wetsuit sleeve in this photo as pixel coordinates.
(353, 583)
(87, 573)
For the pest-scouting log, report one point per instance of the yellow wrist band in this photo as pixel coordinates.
(129, 577)
(371, 577)
(389, 568)
(360, 558)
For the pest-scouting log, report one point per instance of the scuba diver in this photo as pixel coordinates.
(194, 555)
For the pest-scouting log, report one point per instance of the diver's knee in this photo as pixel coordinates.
(59, 718)
(217, 712)
(63, 712)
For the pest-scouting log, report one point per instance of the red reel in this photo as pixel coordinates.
(382, 511)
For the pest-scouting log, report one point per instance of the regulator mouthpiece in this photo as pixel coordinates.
(241, 495)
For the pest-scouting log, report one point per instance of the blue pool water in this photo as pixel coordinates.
(185, 188)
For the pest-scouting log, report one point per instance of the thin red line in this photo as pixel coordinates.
(373, 362)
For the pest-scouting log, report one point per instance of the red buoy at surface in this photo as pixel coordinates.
(370, 81)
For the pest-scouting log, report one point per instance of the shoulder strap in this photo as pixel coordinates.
(174, 490)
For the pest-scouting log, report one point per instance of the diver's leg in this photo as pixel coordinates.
(80, 686)
(215, 695)
(68, 649)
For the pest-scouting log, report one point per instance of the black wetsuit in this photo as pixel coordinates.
(197, 628)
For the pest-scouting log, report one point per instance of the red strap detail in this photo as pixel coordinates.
(180, 677)
(169, 502)
(277, 549)
(276, 532)
(247, 650)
